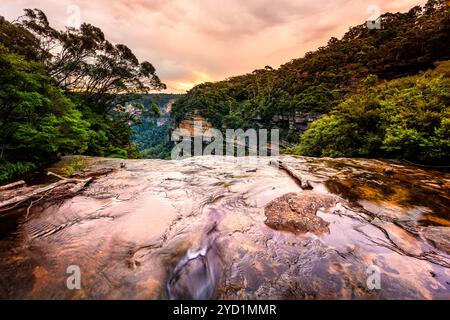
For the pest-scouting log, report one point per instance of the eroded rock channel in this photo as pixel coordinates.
(204, 228)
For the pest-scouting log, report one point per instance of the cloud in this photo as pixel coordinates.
(207, 40)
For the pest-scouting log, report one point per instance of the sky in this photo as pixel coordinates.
(194, 41)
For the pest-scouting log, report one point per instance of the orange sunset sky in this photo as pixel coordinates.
(193, 41)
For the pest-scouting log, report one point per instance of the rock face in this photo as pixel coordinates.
(296, 121)
(296, 212)
(146, 232)
(194, 126)
(439, 236)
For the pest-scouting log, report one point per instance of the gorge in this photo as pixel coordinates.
(346, 197)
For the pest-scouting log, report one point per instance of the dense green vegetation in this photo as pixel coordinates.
(407, 44)
(66, 92)
(407, 118)
(37, 120)
(152, 133)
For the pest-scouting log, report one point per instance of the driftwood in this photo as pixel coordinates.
(13, 185)
(92, 174)
(39, 191)
(49, 173)
(304, 183)
(65, 187)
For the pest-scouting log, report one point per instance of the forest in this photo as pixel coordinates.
(66, 92)
(151, 135)
(372, 93)
(373, 84)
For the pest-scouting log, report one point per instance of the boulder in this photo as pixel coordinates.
(297, 212)
(439, 237)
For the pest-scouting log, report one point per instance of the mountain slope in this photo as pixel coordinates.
(152, 134)
(303, 89)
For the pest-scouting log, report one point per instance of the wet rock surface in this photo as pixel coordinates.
(142, 232)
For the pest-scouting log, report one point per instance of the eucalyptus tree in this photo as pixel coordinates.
(83, 61)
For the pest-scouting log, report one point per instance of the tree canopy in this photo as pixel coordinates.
(66, 92)
(82, 60)
(406, 118)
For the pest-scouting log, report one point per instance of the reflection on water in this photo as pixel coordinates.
(195, 229)
(406, 190)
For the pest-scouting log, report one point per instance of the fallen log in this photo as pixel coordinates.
(54, 191)
(49, 173)
(13, 185)
(304, 183)
(80, 186)
(39, 191)
(84, 174)
(93, 174)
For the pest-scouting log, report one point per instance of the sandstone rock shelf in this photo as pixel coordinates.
(129, 232)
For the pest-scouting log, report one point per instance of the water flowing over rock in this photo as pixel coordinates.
(197, 274)
(211, 228)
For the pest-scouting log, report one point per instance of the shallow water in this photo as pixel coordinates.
(134, 230)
